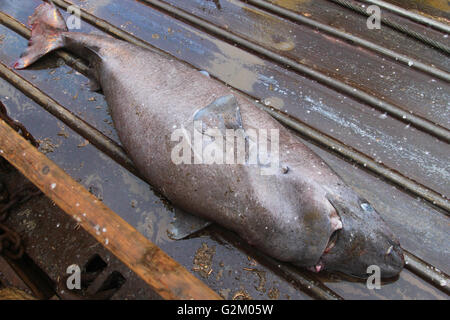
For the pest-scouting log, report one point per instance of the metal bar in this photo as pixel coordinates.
(395, 111)
(413, 63)
(295, 124)
(10, 278)
(436, 44)
(163, 274)
(427, 272)
(411, 15)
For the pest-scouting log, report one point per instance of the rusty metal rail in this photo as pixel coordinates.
(417, 266)
(430, 273)
(296, 17)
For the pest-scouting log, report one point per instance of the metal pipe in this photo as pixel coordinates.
(413, 63)
(411, 15)
(427, 272)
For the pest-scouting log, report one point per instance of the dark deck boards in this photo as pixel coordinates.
(423, 229)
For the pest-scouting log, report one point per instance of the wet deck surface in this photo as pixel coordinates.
(422, 227)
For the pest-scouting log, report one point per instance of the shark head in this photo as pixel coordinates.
(363, 240)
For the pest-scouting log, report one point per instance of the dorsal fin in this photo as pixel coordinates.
(223, 113)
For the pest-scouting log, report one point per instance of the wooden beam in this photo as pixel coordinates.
(163, 274)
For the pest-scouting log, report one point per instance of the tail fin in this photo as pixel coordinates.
(47, 24)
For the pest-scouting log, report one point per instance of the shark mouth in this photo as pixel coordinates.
(336, 225)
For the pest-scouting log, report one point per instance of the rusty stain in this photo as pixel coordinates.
(269, 31)
(146, 226)
(62, 132)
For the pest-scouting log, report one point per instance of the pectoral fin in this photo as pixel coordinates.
(185, 224)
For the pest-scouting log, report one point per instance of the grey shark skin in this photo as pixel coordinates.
(303, 214)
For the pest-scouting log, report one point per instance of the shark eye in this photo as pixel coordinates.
(366, 207)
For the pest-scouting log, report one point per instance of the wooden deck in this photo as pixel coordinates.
(374, 104)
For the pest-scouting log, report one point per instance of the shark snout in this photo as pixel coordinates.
(394, 261)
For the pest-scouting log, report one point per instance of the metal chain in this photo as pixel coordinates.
(11, 244)
(21, 195)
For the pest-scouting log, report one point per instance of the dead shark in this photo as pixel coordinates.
(301, 213)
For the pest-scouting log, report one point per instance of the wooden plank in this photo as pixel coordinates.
(164, 275)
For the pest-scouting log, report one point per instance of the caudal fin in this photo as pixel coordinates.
(47, 24)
